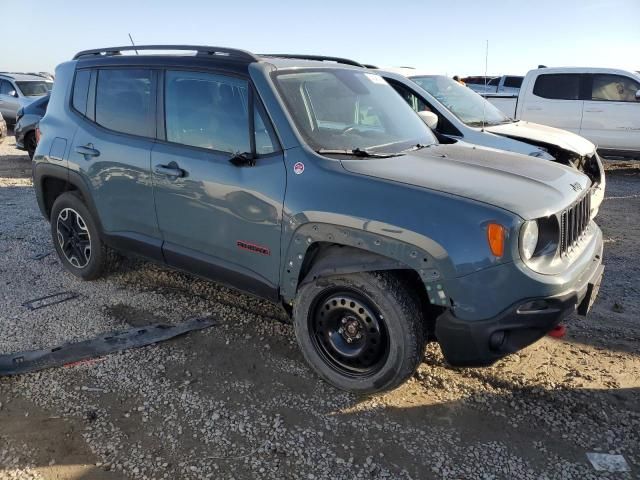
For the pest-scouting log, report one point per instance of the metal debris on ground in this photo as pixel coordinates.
(604, 462)
(31, 361)
(49, 300)
(40, 256)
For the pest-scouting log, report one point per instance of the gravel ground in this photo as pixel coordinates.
(238, 401)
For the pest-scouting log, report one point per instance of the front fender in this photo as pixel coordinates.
(432, 265)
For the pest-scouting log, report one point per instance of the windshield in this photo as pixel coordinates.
(463, 102)
(341, 109)
(34, 89)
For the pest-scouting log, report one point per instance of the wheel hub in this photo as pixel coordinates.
(349, 333)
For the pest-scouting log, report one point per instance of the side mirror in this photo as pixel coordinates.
(430, 118)
(13, 93)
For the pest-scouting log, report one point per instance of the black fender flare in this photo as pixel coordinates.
(74, 181)
(347, 250)
(343, 259)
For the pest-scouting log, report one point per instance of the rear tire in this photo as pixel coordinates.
(360, 332)
(77, 240)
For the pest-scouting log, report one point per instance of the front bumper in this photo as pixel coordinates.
(476, 343)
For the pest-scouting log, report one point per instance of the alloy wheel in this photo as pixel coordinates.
(73, 237)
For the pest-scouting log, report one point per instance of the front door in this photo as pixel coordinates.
(611, 117)
(9, 104)
(218, 219)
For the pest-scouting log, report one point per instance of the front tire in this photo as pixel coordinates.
(30, 144)
(76, 238)
(360, 332)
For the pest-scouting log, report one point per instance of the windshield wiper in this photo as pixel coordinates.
(417, 146)
(357, 152)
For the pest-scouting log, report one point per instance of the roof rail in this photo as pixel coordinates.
(200, 49)
(320, 58)
(368, 65)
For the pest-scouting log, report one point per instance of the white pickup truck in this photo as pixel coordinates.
(600, 104)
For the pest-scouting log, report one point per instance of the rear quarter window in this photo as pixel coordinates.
(558, 86)
(81, 91)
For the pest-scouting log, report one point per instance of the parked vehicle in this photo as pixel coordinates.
(508, 84)
(601, 104)
(3, 129)
(18, 90)
(461, 114)
(316, 186)
(27, 121)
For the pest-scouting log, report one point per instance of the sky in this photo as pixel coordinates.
(441, 37)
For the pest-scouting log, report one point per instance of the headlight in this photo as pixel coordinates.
(542, 154)
(528, 239)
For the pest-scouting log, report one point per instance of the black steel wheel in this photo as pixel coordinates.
(349, 333)
(361, 332)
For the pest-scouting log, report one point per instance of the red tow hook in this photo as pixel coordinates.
(558, 331)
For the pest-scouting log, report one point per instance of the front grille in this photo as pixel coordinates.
(574, 222)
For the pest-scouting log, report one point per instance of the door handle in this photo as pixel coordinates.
(171, 170)
(534, 108)
(87, 150)
(593, 110)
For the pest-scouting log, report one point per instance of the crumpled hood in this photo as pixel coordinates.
(527, 186)
(541, 133)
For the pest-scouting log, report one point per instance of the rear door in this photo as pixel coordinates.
(111, 151)
(611, 117)
(219, 219)
(555, 101)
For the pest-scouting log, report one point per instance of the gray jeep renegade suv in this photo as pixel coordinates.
(316, 186)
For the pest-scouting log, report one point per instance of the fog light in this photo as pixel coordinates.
(496, 340)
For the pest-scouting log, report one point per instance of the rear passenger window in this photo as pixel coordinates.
(561, 86)
(81, 90)
(124, 101)
(207, 111)
(513, 82)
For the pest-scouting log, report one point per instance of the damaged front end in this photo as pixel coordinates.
(590, 164)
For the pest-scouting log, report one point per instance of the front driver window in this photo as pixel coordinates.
(614, 88)
(211, 111)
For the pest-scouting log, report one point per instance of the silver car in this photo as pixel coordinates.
(17, 90)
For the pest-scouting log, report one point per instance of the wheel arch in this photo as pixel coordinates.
(51, 181)
(317, 250)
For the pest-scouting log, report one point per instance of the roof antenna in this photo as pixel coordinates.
(133, 44)
(486, 63)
